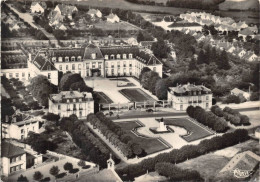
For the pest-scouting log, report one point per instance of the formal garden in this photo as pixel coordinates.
(194, 130)
(136, 95)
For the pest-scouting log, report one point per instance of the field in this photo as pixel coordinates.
(217, 160)
(136, 95)
(103, 98)
(239, 4)
(243, 16)
(196, 132)
(114, 26)
(150, 145)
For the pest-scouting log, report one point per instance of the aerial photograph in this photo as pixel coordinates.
(130, 91)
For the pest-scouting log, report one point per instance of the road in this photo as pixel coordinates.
(166, 114)
(26, 17)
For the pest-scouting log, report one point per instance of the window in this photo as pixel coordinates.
(181, 107)
(73, 66)
(23, 74)
(60, 67)
(79, 58)
(124, 71)
(48, 67)
(67, 67)
(54, 59)
(154, 69)
(87, 65)
(112, 56)
(124, 63)
(79, 66)
(130, 71)
(118, 64)
(106, 56)
(130, 63)
(74, 106)
(130, 56)
(93, 65)
(80, 100)
(13, 160)
(72, 58)
(17, 75)
(207, 105)
(74, 100)
(112, 72)
(124, 56)
(118, 56)
(11, 75)
(58, 107)
(49, 75)
(106, 64)
(207, 97)
(87, 72)
(93, 55)
(68, 100)
(22, 130)
(60, 59)
(99, 65)
(66, 58)
(80, 114)
(194, 93)
(112, 65)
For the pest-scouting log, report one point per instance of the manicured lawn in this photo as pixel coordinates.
(103, 98)
(114, 26)
(150, 145)
(136, 95)
(196, 131)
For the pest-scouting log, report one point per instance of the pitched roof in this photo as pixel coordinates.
(237, 91)
(246, 31)
(189, 88)
(119, 50)
(147, 43)
(92, 49)
(148, 59)
(66, 52)
(66, 9)
(64, 95)
(41, 3)
(9, 150)
(43, 64)
(105, 175)
(112, 16)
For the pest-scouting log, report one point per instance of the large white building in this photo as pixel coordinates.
(183, 96)
(71, 102)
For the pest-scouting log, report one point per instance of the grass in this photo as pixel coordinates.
(113, 26)
(196, 131)
(150, 145)
(136, 95)
(103, 98)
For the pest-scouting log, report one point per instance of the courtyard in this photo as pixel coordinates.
(185, 132)
(122, 90)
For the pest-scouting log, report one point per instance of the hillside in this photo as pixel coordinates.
(239, 5)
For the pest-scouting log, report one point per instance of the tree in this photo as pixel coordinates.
(253, 97)
(6, 108)
(74, 82)
(232, 99)
(68, 166)
(51, 117)
(81, 163)
(140, 36)
(54, 171)
(223, 62)
(48, 28)
(160, 49)
(193, 65)
(201, 57)
(22, 178)
(37, 176)
(161, 89)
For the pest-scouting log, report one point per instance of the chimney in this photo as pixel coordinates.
(14, 120)
(6, 118)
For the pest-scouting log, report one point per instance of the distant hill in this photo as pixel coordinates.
(239, 5)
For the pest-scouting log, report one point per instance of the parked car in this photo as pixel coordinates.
(149, 110)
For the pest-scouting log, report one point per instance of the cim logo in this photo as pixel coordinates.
(238, 173)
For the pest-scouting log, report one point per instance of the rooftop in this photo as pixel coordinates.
(64, 95)
(9, 150)
(189, 88)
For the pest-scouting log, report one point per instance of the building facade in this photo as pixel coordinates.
(183, 96)
(67, 103)
(19, 130)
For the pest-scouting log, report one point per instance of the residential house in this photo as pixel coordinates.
(113, 18)
(146, 44)
(183, 96)
(239, 52)
(38, 7)
(132, 41)
(66, 103)
(19, 130)
(246, 32)
(17, 156)
(61, 26)
(66, 10)
(238, 92)
(94, 13)
(250, 56)
(14, 26)
(55, 18)
(253, 29)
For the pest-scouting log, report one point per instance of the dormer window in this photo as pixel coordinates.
(112, 56)
(48, 67)
(130, 56)
(66, 59)
(79, 66)
(118, 56)
(93, 55)
(79, 58)
(124, 56)
(72, 58)
(54, 59)
(68, 100)
(80, 100)
(194, 93)
(106, 56)
(60, 59)
(74, 100)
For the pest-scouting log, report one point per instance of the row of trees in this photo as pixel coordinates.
(184, 153)
(207, 118)
(231, 115)
(175, 173)
(114, 134)
(91, 145)
(195, 4)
